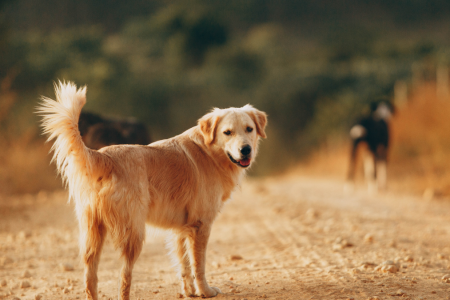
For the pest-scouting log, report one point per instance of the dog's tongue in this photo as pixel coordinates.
(245, 162)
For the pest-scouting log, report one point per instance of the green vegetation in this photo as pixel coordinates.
(169, 64)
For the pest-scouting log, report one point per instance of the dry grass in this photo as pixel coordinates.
(420, 156)
(24, 160)
(419, 159)
(25, 168)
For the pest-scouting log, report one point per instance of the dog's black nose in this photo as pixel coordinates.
(246, 150)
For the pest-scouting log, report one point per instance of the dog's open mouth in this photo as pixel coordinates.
(244, 163)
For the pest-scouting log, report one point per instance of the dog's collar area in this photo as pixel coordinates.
(239, 162)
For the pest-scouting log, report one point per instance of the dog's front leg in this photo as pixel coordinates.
(198, 242)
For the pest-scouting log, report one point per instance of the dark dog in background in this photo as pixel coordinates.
(98, 132)
(373, 131)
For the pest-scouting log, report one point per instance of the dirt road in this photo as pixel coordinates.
(279, 238)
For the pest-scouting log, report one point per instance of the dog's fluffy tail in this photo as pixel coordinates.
(60, 121)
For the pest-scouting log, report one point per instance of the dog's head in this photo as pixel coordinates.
(236, 131)
(382, 110)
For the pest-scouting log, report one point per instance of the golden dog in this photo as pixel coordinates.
(179, 184)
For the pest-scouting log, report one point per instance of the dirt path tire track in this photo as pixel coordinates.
(299, 238)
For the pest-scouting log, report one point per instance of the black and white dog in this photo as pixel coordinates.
(373, 131)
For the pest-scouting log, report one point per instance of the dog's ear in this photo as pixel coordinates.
(208, 125)
(260, 119)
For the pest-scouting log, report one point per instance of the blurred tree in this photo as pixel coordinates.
(235, 67)
(4, 40)
(345, 42)
(48, 15)
(407, 11)
(311, 65)
(196, 30)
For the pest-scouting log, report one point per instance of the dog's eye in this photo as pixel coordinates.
(249, 129)
(228, 132)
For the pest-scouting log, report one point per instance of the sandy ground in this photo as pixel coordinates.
(279, 238)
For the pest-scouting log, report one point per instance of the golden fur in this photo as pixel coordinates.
(179, 184)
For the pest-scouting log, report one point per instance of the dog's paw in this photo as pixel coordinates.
(210, 291)
(188, 287)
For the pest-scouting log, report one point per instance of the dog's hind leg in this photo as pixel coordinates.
(369, 171)
(380, 166)
(353, 157)
(130, 253)
(381, 174)
(180, 257)
(198, 240)
(91, 241)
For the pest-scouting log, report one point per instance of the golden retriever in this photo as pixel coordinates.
(178, 184)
